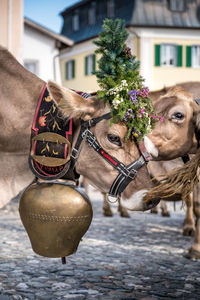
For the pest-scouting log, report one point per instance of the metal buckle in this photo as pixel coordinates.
(112, 199)
(90, 123)
(91, 140)
(134, 173)
(85, 133)
(75, 156)
(127, 173)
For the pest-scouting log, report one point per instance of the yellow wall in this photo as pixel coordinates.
(160, 76)
(81, 81)
(86, 83)
(136, 47)
(167, 76)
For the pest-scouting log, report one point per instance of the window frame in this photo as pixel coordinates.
(92, 14)
(174, 5)
(168, 54)
(90, 64)
(76, 21)
(34, 62)
(110, 8)
(70, 69)
(193, 65)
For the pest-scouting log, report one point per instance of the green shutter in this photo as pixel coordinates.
(93, 63)
(73, 68)
(157, 55)
(66, 70)
(86, 65)
(188, 56)
(179, 55)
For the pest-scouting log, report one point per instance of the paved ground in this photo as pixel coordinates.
(137, 258)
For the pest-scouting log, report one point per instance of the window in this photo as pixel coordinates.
(196, 56)
(75, 21)
(193, 56)
(92, 14)
(168, 55)
(90, 64)
(177, 5)
(32, 66)
(70, 69)
(110, 8)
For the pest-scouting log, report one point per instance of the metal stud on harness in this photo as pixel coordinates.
(126, 173)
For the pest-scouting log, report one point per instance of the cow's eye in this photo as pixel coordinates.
(178, 116)
(115, 139)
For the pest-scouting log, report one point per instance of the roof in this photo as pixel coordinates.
(73, 7)
(156, 13)
(123, 10)
(58, 37)
(136, 13)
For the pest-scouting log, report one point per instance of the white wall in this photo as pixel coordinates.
(41, 48)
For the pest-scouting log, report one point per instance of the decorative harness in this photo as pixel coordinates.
(52, 135)
(126, 173)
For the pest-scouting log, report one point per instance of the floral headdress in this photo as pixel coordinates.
(120, 82)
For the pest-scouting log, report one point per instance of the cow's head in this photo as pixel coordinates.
(111, 138)
(178, 133)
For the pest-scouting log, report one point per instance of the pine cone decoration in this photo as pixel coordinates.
(127, 50)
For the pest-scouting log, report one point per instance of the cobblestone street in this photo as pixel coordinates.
(137, 258)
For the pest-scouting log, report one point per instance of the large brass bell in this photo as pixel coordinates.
(55, 216)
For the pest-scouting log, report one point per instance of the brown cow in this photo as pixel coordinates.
(161, 167)
(178, 133)
(171, 96)
(175, 136)
(19, 93)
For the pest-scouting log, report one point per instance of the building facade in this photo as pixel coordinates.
(11, 26)
(163, 34)
(41, 49)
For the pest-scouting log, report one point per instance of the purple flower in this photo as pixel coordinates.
(133, 95)
(133, 92)
(143, 92)
(134, 129)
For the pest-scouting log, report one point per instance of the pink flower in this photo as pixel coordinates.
(161, 119)
(140, 112)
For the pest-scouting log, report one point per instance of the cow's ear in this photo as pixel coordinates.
(70, 103)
